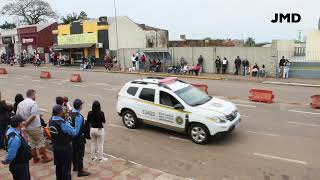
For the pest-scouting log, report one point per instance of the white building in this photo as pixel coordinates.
(134, 35)
(9, 41)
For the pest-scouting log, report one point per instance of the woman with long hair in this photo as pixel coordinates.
(96, 119)
(18, 99)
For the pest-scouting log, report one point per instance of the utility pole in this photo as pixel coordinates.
(116, 21)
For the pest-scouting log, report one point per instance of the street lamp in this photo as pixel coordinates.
(116, 21)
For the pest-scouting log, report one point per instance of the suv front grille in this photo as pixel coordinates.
(232, 116)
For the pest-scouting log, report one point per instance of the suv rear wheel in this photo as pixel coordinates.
(130, 119)
(199, 133)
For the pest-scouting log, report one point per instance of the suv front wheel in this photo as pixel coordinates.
(130, 119)
(199, 133)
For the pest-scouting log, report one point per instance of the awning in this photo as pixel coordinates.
(72, 46)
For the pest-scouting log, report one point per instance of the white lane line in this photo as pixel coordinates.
(40, 87)
(103, 84)
(246, 105)
(179, 139)
(304, 112)
(280, 158)
(82, 86)
(18, 78)
(135, 163)
(62, 90)
(27, 76)
(264, 134)
(293, 84)
(244, 116)
(36, 80)
(43, 110)
(56, 83)
(117, 126)
(19, 84)
(94, 95)
(114, 157)
(304, 124)
(110, 89)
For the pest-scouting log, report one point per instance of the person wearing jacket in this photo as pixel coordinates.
(19, 153)
(237, 63)
(218, 64)
(61, 137)
(4, 122)
(96, 119)
(245, 64)
(79, 141)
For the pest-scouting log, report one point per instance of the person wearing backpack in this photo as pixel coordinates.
(18, 151)
(61, 137)
(79, 141)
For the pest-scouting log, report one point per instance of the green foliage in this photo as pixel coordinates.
(69, 18)
(7, 25)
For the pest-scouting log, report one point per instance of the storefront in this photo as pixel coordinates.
(81, 39)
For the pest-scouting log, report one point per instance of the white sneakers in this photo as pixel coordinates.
(103, 160)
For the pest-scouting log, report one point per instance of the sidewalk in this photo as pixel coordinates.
(205, 76)
(114, 169)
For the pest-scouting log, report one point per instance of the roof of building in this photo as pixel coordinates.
(13, 32)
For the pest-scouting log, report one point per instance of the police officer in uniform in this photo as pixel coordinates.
(79, 141)
(19, 152)
(61, 137)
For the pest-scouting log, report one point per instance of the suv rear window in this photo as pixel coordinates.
(132, 91)
(147, 94)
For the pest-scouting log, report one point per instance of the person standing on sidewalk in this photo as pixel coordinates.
(79, 141)
(61, 142)
(286, 69)
(28, 110)
(245, 65)
(218, 64)
(281, 66)
(96, 119)
(18, 151)
(224, 65)
(237, 63)
(200, 62)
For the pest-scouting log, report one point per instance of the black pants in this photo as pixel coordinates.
(218, 70)
(62, 159)
(78, 147)
(237, 71)
(20, 171)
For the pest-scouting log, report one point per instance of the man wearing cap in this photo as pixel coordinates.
(79, 141)
(61, 136)
(19, 153)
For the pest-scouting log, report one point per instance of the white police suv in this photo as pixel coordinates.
(173, 104)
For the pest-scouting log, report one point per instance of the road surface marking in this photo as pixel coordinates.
(56, 83)
(179, 139)
(246, 105)
(293, 84)
(244, 116)
(117, 126)
(18, 78)
(103, 84)
(304, 112)
(19, 84)
(40, 87)
(36, 80)
(265, 134)
(304, 124)
(110, 89)
(94, 95)
(82, 86)
(135, 163)
(27, 76)
(43, 110)
(280, 158)
(62, 90)
(114, 157)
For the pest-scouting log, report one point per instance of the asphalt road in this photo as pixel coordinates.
(274, 141)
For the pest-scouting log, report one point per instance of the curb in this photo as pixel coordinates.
(291, 84)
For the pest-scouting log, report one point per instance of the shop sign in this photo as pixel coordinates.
(78, 39)
(27, 40)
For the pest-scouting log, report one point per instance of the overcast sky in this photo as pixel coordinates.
(234, 19)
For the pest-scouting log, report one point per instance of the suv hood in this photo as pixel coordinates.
(217, 107)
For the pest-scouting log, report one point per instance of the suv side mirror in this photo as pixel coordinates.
(179, 107)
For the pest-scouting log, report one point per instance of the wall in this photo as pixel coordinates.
(313, 46)
(257, 55)
(130, 35)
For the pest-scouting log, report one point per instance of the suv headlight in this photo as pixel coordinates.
(218, 119)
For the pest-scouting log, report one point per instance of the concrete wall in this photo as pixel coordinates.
(252, 54)
(191, 54)
(130, 35)
(313, 46)
(133, 36)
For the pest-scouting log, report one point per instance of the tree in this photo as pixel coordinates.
(250, 42)
(32, 11)
(69, 18)
(7, 25)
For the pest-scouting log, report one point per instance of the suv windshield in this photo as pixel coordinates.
(193, 96)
